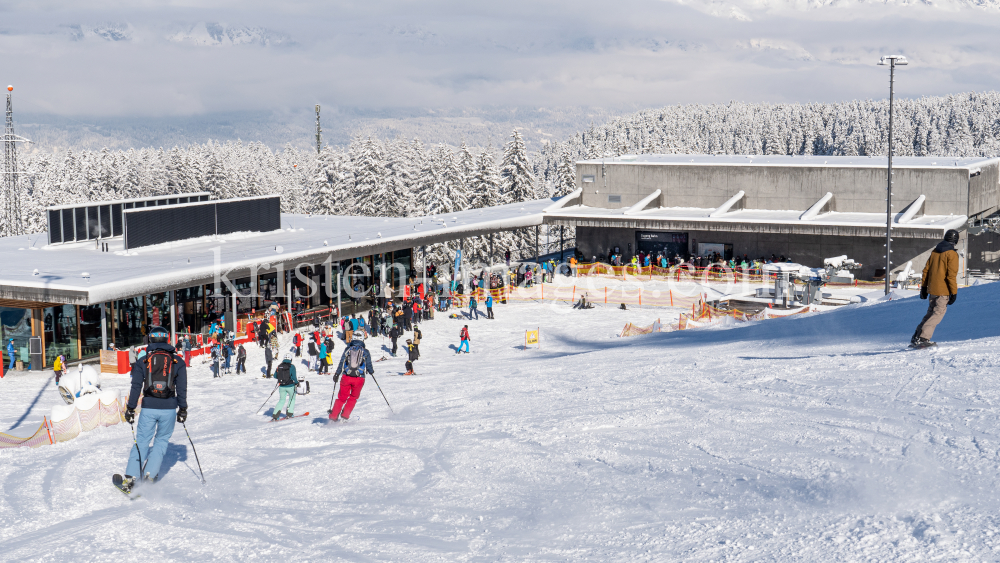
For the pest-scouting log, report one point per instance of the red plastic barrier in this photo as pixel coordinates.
(123, 365)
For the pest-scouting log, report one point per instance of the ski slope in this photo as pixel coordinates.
(815, 438)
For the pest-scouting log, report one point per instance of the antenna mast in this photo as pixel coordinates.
(318, 131)
(13, 221)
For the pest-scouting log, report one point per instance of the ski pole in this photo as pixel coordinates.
(383, 394)
(195, 452)
(268, 397)
(138, 452)
(334, 394)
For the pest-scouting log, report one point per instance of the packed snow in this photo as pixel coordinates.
(818, 437)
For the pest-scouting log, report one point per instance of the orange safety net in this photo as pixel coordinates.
(39, 437)
(49, 432)
(634, 330)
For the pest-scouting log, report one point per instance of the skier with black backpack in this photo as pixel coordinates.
(161, 379)
(285, 374)
(353, 365)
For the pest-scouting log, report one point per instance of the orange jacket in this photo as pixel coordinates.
(941, 270)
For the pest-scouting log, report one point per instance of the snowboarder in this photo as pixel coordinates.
(412, 356)
(161, 380)
(285, 374)
(269, 358)
(940, 285)
(464, 335)
(353, 365)
(241, 360)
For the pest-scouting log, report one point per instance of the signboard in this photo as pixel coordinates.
(531, 337)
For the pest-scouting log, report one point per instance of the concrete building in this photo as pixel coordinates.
(807, 208)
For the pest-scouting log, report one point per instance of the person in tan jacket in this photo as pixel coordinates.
(940, 286)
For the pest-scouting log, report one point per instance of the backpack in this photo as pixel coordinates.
(160, 375)
(354, 365)
(283, 374)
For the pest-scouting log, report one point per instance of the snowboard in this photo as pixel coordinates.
(287, 417)
(922, 346)
(118, 481)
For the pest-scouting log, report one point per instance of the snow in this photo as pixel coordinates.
(817, 437)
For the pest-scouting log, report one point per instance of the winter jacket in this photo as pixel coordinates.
(941, 270)
(241, 353)
(322, 351)
(417, 335)
(472, 302)
(268, 355)
(291, 371)
(489, 301)
(139, 372)
(367, 362)
(464, 335)
(312, 349)
(411, 351)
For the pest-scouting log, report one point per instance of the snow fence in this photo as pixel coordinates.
(68, 421)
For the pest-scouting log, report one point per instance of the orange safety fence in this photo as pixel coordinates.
(688, 272)
(710, 314)
(633, 330)
(50, 432)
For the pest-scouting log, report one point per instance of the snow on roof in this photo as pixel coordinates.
(807, 161)
(763, 216)
(80, 273)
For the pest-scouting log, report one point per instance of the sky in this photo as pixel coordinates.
(110, 59)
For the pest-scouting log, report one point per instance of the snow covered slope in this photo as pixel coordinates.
(816, 438)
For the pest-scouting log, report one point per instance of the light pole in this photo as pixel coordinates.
(892, 61)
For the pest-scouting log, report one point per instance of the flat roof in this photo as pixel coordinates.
(34, 271)
(805, 161)
(693, 217)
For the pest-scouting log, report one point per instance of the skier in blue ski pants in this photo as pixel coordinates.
(158, 422)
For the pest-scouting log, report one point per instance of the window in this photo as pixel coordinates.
(614, 199)
(588, 179)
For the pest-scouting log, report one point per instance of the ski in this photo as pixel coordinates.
(118, 482)
(288, 417)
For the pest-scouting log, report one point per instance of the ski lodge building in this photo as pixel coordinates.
(105, 271)
(806, 208)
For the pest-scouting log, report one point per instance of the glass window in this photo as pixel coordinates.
(128, 324)
(93, 225)
(158, 310)
(116, 216)
(16, 324)
(60, 333)
(80, 214)
(401, 264)
(105, 221)
(55, 227)
(90, 330)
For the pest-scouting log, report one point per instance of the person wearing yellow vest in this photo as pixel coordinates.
(59, 367)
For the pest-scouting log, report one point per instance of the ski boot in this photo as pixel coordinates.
(275, 416)
(919, 342)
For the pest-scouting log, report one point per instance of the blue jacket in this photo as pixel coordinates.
(10, 348)
(139, 373)
(322, 351)
(367, 359)
(291, 370)
(489, 300)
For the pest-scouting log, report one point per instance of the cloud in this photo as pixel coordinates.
(188, 58)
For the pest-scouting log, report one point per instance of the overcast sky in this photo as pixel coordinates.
(187, 58)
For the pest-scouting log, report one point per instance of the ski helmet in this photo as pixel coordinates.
(288, 356)
(951, 236)
(158, 335)
(356, 337)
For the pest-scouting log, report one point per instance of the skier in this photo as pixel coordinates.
(412, 356)
(215, 361)
(313, 356)
(489, 305)
(417, 335)
(473, 305)
(940, 285)
(353, 365)
(268, 357)
(323, 362)
(464, 335)
(285, 374)
(241, 360)
(297, 341)
(162, 381)
(59, 367)
(394, 333)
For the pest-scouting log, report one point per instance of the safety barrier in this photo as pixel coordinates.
(615, 296)
(688, 272)
(72, 421)
(633, 330)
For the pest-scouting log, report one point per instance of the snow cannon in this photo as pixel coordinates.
(85, 381)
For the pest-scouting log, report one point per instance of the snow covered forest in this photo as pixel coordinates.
(400, 177)
(957, 125)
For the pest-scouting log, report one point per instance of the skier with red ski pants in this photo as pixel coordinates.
(353, 364)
